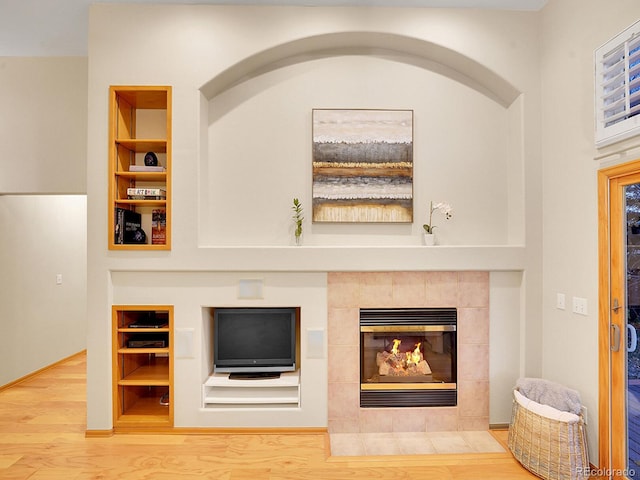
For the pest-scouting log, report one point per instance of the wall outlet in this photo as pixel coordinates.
(59, 279)
(560, 301)
(580, 306)
(583, 411)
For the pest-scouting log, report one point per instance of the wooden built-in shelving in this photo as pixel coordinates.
(142, 375)
(140, 122)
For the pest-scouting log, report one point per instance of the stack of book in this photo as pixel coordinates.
(146, 193)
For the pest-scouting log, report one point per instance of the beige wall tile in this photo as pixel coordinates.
(343, 289)
(373, 420)
(473, 289)
(376, 290)
(473, 325)
(442, 419)
(342, 367)
(409, 420)
(343, 326)
(473, 362)
(441, 289)
(408, 289)
(473, 398)
(344, 400)
(473, 424)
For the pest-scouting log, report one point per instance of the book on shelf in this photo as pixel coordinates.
(146, 197)
(146, 168)
(146, 193)
(159, 226)
(128, 227)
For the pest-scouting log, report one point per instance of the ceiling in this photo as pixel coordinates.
(34, 28)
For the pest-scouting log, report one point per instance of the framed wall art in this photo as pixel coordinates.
(362, 166)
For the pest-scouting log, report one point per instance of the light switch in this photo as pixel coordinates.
(580, 306)
(560, 301)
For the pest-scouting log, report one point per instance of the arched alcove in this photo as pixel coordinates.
(465, 144)
(422, 53)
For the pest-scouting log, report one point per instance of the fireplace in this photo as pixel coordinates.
(408, 357)
(467, 292)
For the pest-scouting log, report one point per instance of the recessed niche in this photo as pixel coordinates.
(268, 382)
(257, 154)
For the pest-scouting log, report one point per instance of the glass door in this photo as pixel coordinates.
(620, 319)
(631, 324)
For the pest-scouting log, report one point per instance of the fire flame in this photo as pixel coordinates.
(393, 362)
(413, 357)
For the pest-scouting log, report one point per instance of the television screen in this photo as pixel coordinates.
(254, 340)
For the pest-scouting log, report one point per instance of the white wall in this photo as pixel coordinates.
(43, 126)
(192, 293)
(275, 146)
(571, 31)
(477, 150)
(42, 322)
(43, 145)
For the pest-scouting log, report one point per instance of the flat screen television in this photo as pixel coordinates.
(254, 341)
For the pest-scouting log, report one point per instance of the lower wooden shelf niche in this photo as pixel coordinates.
(219, 391)
(142, 366)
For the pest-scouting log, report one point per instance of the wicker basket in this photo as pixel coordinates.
(550, 449)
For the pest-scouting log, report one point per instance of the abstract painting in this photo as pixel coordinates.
(362, 166)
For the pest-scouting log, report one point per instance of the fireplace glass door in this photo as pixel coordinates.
(407, 357)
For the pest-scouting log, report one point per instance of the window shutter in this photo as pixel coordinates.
(618, 87)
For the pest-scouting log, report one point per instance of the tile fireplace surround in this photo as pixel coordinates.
(350, 291)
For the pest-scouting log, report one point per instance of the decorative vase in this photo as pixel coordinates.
(429, 239)
(298, 240)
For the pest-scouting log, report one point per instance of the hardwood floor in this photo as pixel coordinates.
(42, 436)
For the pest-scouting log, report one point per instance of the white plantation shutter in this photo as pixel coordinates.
(618, 87)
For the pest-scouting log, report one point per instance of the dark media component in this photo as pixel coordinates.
(150, 320)
(151, 160)
(147, 343)
(254, 341)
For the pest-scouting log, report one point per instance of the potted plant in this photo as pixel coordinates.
(297, 220)
(445, 209)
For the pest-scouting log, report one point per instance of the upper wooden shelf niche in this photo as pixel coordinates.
(140, 188)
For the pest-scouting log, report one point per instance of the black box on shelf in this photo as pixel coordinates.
(147, 342)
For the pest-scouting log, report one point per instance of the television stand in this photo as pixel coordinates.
(254, 375)
(221, 391)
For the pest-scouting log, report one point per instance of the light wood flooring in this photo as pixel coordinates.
(42, 437)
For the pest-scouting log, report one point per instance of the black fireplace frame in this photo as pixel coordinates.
(438, 395)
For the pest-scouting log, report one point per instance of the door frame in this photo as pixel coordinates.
(605, 176)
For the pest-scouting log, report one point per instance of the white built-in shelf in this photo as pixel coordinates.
(221, 391)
